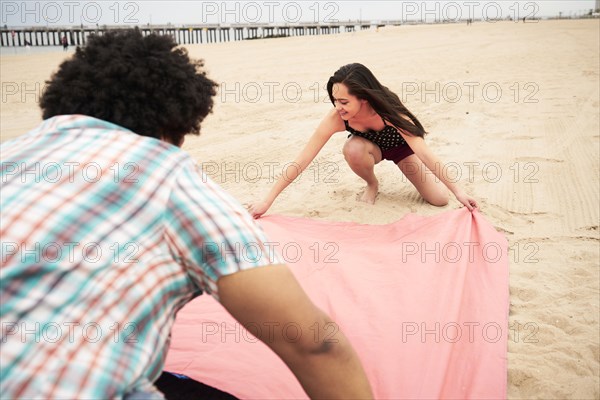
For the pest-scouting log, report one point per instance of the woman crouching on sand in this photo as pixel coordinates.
(380, 127)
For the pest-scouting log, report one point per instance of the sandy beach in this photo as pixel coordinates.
(513, 110)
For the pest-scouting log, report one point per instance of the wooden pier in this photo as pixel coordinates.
(192, 34)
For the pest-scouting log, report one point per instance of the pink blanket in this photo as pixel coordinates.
(424, 302)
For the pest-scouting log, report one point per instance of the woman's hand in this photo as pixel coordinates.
(466, 200)
(258, 209)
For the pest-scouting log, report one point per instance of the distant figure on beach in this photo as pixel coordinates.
(65, 43)
(381, 128)
(109, 228)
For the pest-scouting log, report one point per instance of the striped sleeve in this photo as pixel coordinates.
(210, 233)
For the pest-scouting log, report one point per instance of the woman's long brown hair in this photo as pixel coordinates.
(361, 83)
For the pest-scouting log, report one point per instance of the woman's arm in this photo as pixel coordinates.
(330, 124)
(435, 165)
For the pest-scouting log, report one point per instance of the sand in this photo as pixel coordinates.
(512, 108)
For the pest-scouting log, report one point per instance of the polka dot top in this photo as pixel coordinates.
(387, 138)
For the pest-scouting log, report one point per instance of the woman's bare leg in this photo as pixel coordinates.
(362, 155)
(432, 189)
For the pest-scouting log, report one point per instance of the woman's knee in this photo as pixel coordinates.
(439, 198)
(354, 151)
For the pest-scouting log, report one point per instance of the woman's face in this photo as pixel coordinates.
(346, 104)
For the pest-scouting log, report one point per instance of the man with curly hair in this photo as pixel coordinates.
(108, 228)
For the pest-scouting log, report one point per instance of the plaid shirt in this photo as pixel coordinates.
(105, 235)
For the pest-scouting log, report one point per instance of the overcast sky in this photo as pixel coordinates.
(112, 12)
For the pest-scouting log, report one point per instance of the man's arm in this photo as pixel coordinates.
(327, 367)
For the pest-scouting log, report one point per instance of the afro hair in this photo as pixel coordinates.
(143, 83)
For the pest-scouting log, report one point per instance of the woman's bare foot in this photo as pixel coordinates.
(370, 193)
